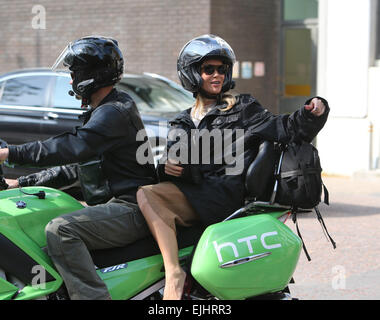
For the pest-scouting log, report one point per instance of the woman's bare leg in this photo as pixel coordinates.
(167, 241)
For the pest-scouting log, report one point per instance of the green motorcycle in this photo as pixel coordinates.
(250, 255)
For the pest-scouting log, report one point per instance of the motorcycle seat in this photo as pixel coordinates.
(143, 248)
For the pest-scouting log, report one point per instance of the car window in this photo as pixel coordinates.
(157, 94)
(141, 104)
(2, 83)
(25, 91)
(61, 98)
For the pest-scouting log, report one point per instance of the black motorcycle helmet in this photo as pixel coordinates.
(195, 52)
(94, 62)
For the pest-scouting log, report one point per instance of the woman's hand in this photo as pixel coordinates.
(172, 168)
(316, 107)
(4, 154)
(12, 183)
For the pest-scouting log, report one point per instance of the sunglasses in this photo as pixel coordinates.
(209, 69)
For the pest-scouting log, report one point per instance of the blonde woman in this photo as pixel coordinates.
(200, 184)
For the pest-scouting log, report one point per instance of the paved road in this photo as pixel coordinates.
(352, 270)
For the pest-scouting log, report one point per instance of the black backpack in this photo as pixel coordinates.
(299, 182)
(299, 176)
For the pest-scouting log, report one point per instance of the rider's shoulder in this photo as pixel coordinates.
(246, 100)
(185, 114)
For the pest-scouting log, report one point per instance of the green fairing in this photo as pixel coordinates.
(221, 243)
(242, 238)
(139, 274)
(25, 228)
(38, 212)
(7, 290)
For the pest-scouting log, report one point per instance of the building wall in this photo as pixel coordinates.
(150, 33)
(252, 28)
(349, 141)
(374, 115)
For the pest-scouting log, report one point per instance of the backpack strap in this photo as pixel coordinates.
(320, 219)
(304, 148)
(299, 172)
(326, 194)
(288, 174)
(294, 218)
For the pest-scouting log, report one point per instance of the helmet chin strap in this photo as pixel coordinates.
(205, 94)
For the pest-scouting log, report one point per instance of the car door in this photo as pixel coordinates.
(63, 110)
(23, 98)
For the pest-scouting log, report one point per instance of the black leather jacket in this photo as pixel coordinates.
(212, 192)
(107, 135)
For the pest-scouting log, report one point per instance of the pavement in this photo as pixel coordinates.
(352, 270)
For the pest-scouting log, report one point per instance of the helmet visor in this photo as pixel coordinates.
(59, 63)
(72, 55)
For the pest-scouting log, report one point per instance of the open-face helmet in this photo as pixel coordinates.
(196, 51)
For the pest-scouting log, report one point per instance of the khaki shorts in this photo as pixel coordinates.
(170, 204)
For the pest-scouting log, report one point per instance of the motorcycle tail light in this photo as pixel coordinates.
(285, 217)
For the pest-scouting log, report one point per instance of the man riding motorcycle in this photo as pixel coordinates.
(105, 148)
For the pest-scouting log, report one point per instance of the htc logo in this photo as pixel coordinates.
(248, 242)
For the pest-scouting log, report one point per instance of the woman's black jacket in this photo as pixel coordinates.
(215, 187)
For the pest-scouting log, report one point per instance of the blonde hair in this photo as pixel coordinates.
(227, 98)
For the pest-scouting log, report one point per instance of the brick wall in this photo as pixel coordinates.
(252, 29)
(150, 33)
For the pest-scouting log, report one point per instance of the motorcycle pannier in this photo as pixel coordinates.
(246, 257)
